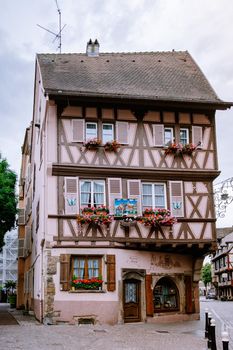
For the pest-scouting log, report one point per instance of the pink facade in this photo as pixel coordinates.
(120, 267)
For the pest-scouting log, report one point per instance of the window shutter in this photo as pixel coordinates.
(134, 192)
(197, 136)
(21, 247)
(28, 240)
(158, 134)
(114, 192)
(111, 273)
(122, 131)
(65, 271)
(77, 130)
(71, 195)
(149, 296)
(176, 198)
(21, 217)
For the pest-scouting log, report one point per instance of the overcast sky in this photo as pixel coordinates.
(203, 27)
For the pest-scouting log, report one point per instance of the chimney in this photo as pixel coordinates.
(92, 48)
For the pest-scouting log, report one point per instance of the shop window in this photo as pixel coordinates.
(165, 296)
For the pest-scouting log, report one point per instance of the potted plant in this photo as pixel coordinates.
(112, 146)
(92, 144)
(189, 148)
(94, 219)
(11, 292)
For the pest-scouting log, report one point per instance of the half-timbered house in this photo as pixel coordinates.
(123, 158)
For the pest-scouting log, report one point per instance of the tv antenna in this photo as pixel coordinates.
(58, 35)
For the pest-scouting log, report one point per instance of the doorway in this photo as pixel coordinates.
(132, 300)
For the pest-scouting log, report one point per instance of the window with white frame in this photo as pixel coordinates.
(153, 195)
(107, 132)
(91, 131)
(92, 193)
(168, 136)
(184, 136)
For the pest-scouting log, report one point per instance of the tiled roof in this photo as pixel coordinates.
(150, 75)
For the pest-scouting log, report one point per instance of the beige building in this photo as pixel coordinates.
(122, 158)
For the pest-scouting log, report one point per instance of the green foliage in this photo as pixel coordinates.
(10, 287)
(206, 274)
(8, 200)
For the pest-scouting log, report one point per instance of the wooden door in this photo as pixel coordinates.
(132, 302)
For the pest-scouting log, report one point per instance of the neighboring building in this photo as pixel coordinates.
(145, 101)
(222, 263)
(8, 258)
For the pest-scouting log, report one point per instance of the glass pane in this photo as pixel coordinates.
(159, 197)
(130, 292)
(107, 133)
(168, 136)
(183, 136)
(91, 131)
(146, 196)
(79, 267)
(93, 268)
(85, 193)
(98, 193)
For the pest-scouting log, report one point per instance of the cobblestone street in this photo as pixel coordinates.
(29, 334)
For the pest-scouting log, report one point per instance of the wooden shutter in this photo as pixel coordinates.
(21, 247)
(188, 294)
(122, 132)
(111, 273)
(114, 192)
(176, 198)
(149, 296)
(65, 271)
(158, 134)
(134, 192)
(71, 195)
(21, 217)
(197, 135)
(78, 130)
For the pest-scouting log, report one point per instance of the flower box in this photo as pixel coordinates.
(155, 217)
(94, 219)
(112, 146)
(92, 144)
(90, 283)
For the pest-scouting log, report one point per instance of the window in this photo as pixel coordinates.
(184, 136)
(91, 131)
(168, 136)
(165, 296)
(153, 195)
(92, 193)
(85, 267)
(107, 133)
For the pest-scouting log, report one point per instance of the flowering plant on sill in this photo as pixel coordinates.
(101, 210)
(158, 217)
(112, 146)
(95, 219)
(173, 148)
(189, 148)
(92, 144)
(93, 283)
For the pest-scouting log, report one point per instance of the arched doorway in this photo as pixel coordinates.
(165, 296)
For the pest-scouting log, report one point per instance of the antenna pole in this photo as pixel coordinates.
(58, 35)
